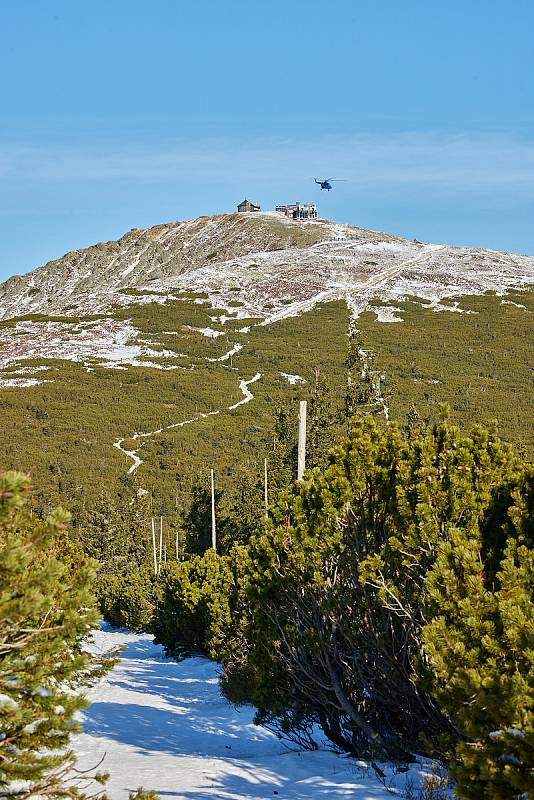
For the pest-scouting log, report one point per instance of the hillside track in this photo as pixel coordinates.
(365, 286)
(133, 454)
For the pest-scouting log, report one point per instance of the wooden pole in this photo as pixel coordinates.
(154, 546)
(265, 488)
(177, 546)
(301, 464)
(160, 543)
(213, 524)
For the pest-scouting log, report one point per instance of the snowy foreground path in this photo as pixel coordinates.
(165, 726)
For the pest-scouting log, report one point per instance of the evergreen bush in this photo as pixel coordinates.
(481, 648)
(47, 611)
(344, 590)
(127, 599)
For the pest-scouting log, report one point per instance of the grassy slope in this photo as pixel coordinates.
(481, 364)
(62, 432)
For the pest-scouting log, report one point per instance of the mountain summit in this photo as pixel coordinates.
(273, 266)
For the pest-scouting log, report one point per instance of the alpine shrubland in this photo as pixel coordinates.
(387, 599)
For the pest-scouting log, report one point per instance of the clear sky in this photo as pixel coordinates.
(125, 113)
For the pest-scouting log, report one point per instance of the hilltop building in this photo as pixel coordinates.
(299, 211)
(247, 206)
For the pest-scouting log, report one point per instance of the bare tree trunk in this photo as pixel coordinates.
(160, 543)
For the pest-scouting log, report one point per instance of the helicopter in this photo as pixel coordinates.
(327, 183)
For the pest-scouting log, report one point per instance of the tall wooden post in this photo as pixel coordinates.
(154, 546)
(160, 543)
(265, 488)
(301, 464)
(177, 546)
(213, 524)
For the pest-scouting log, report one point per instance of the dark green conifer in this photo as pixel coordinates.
(481, 648)
(46, 611)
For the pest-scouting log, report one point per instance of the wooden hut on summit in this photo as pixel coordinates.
(247, 206)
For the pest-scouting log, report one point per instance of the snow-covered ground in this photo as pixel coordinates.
(268, 285)
(165, 726)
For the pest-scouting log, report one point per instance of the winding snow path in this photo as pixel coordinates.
(165, 726)
(247, 394)
(134, 453)
(378, 280)
(234, 350)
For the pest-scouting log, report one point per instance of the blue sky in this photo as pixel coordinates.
(126, 113)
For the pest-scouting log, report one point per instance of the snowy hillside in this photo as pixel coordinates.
(165, 726)
(259, 266)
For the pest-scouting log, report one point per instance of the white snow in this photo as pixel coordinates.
(6, 700)
(20, 383)
(292, 379)
(232, 352)
(511, 303)
(387, 313)
(210, 332)
(247, 394)
(165, 726)
(361, 267)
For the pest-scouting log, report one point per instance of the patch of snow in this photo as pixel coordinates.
(127, 271)
(20, 383)
(210, 332)
(511, 303)
(232, 352)
(6, 700)
(510, 731)
(248, 396)
(166, 726)
(386, 313)
(29, 370)
(292, 379)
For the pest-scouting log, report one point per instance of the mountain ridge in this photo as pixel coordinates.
(259, 259)
(147, 371)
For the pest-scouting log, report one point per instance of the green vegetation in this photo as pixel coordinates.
(11, 323)
(479, 645)
(63, 432)
(46, 611)
(332, 611)
(480, 363)
(387, 599)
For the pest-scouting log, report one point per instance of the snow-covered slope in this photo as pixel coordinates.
(165, 726)
(255, 265)
(92, 277)
(273, 266)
